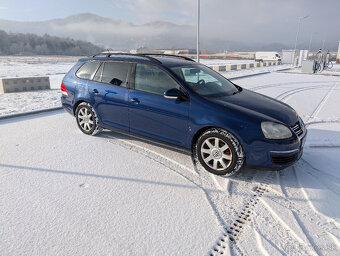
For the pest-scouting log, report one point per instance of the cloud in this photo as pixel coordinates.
(247, 22)
(179, 11)
(3, 8)
(261, 21)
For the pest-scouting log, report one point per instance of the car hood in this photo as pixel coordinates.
(261, 104)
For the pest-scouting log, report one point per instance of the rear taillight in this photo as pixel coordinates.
(63, 89)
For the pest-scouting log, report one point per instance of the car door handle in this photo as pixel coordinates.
(135, 100)
(95, 91)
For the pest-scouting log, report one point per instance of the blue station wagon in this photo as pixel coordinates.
(176, 101)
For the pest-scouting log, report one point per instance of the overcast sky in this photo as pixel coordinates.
(238, 20)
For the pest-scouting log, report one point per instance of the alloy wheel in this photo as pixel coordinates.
(85, 119)
(216, 153)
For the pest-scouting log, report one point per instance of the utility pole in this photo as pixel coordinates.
(297, 35)
(310, 41)
(198, 32)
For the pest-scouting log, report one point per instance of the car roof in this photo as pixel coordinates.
(158, 59)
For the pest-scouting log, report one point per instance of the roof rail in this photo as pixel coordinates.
(109, 54)
(170, 55)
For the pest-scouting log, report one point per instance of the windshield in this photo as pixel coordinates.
(205, 81)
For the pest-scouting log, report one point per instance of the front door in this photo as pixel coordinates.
(153, 115)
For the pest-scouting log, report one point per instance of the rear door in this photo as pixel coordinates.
(109, 91)
(153, 115)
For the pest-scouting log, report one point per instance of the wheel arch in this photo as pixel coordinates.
(77, 104)
(204, 129)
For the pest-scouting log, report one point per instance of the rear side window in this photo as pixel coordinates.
(87, 70)
(115, 73)
(153, 80)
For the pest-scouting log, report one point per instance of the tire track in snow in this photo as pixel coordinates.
(305, 194)
(327, 224)
(285, 96)
(309, 237)
(186, 173)
(322, 102)
(269, 241)
(307, 197)
(232, 232)
(198, 177)
(335, 240)
(259, 243)
(332, 184)
(266, 86)
(336, 121)
(225, 242)
(282, 222)
(312, 237)
(332, 177)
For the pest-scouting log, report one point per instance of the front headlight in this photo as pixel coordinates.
(275, 131)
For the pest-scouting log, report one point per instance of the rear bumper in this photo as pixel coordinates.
(66, 105)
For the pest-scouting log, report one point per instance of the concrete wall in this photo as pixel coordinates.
(245, 66)
(287, 56)
(24, 84)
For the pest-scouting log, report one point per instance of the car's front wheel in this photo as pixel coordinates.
(87, 119)
(219, 152)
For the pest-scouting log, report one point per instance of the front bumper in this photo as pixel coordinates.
(277, 155)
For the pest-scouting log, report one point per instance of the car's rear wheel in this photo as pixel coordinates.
(87, 119)
(219, 152)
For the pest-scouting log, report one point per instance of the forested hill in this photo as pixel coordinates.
(30, 44)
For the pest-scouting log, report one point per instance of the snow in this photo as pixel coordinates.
(73, 195)
(219, 62)
(62, 192)
(22, 102)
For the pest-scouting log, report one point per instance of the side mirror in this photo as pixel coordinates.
(173, 93)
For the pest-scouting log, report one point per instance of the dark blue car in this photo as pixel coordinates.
(178, 102)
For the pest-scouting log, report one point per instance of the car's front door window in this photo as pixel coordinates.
(153, 80)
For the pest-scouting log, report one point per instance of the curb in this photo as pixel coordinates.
(300, 73)
(244, 76)
(30, 113)
(260, 73)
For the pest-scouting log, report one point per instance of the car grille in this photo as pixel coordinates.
(297, 129)
(284, 159)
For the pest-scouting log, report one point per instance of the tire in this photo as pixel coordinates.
(87, 119)
(219, 152)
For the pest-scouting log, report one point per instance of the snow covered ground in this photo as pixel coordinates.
(64, 193)
(217, 62)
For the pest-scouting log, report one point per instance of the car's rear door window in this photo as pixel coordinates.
(152, 79)
(87, 70)
(115, 73)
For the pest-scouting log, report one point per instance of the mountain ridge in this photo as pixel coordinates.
(122, 35)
